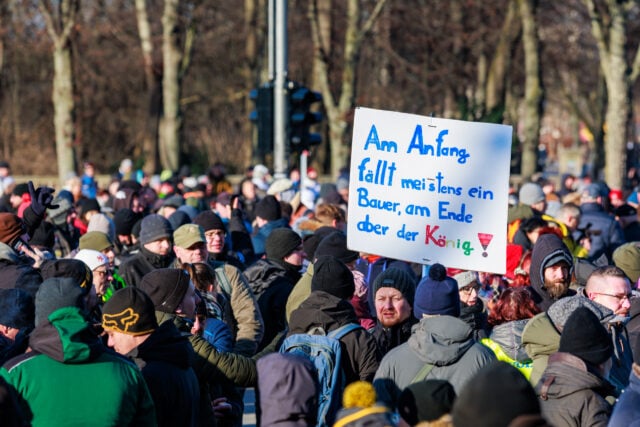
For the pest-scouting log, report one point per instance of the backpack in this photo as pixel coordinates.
(325, 352)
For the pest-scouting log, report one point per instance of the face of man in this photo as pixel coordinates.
(469, 294)
(159, 247)
(392, 308)
(296, 257)
(612, 292)
(556, 279)
(101, 278)
(215, 241)
(194, 253)
(111, 255)
(188, 305)
(121, 343)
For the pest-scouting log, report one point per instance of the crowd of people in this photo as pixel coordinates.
(158, 300)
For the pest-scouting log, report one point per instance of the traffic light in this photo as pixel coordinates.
(301, 118)
(262, 116)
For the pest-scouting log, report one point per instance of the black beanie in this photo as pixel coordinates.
(129, 311)
(124, 221)
(44, 236)
(584, 336)
(268, 209)
(281, 242)
(209, 220)
(310, 243)
(398, 279)
(335, 244)
(154, 227)
(426, 401)
(333, 277)
(166, 287)
(494, 397)
(70, 268)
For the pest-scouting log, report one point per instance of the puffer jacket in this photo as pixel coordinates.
(328, 312)
(571, 395)
(134, 268)
(506, 343)
(443, 341)
(58, 380)
(547, 248)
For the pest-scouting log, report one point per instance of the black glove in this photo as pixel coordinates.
(41, 199)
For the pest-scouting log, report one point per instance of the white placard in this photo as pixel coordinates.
(428, 190)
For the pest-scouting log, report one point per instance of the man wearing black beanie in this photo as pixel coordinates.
(272, 278)
(327, 309)
(573, 388)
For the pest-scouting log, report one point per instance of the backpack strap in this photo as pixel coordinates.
(218, 268)
(343, 330)
(422, 373)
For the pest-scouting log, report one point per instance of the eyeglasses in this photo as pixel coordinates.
(469, 289)
(102, 272)
(618, 297)
(214, 234)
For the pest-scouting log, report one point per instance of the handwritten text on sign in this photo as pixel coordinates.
(429, 190)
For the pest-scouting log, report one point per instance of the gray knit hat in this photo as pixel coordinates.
(55, 293)
(530, 194)
(154, 227)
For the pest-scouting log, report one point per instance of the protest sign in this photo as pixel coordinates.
(428, 190)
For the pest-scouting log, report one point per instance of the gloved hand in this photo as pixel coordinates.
(41, 199)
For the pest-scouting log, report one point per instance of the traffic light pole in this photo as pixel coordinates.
(281, 115)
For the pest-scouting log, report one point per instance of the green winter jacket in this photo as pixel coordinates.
(69, 379)
(210, 365)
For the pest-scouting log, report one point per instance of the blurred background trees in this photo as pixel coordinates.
(166, 82)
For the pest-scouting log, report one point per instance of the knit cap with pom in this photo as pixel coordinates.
(360, 408)
(437, 294)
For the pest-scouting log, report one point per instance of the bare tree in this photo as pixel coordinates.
(609, 22)
(533, 87)
(339, 107)
(60, 20)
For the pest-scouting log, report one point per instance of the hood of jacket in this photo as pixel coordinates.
(323, 310)
(570, 375)
(441, 340)
(264, 273)
(547, 248)
(509, 337)
(560, 310)
(67, 337)
(165, 344)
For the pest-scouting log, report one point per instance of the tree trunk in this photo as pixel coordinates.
(619, 77)
(171, 121)
(495, 92)
(154, 91)
(533, 88)
(62, 96)
(339, 111)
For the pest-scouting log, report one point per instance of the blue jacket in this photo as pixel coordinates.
(626, 412)
(260, 238)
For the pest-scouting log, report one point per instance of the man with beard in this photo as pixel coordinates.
(550, 271)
